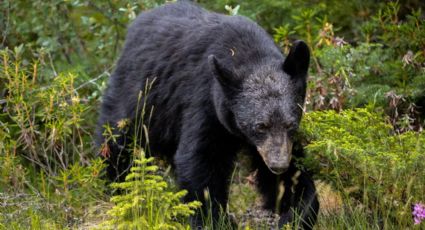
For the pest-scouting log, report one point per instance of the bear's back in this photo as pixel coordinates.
(183, 32)
(181, 12)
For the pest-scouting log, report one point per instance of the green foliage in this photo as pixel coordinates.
(56, 56)
(407, 39)
(77, 30)
(46, 153)
(349, 17)
(358, 152)
(351, 76)
(345, 75)
(146, 201)
(45, 205)
(43, 117)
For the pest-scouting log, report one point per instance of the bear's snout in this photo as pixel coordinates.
(278, 168)
(276, 153)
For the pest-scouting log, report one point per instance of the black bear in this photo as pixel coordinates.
(221, 85)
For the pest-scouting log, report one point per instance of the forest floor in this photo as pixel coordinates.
(244, 206)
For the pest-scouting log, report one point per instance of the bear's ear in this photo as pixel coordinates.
(224, 75)
(297, 62)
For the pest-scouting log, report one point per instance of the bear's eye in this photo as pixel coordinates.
(261, 127)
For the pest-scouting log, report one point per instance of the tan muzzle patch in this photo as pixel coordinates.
(276, 153)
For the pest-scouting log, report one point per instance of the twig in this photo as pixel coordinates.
(51, 64)
(106, 72)
(6, 27)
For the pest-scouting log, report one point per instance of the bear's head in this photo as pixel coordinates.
(265, 105)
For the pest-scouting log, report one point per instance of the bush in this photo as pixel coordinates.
(359, 153)
(46, 151)
(146, 201)
(384, 67)
(84, 36)
(43, 116)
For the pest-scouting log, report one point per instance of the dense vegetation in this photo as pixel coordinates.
(363, 127)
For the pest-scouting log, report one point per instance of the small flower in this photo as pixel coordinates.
(63, 104)
(339, 42)
(75, 100)
(418, 213)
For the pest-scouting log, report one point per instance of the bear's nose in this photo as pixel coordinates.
(278, 168)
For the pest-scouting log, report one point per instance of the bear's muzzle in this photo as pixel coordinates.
(276, 152)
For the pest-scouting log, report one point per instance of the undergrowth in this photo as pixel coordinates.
(52, 72)
(48, 176)
(146, 201)
(376, 170)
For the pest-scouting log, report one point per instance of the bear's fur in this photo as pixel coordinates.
(221, 85)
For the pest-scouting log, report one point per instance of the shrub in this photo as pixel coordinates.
(384, 67)
(146, 202)
(359, 153)
(46, 151)
(84, 35)
(43, 116)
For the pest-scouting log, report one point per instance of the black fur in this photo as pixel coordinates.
(221, 85)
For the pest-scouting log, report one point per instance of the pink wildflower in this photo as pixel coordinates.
(418, 213)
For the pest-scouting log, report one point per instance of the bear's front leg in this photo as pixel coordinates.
(292, 194)
(117, 158)
(203, 163)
